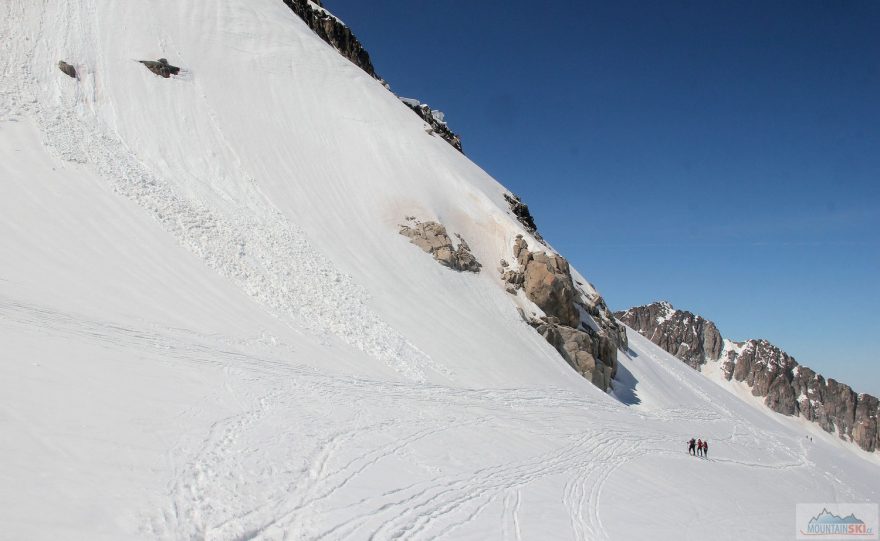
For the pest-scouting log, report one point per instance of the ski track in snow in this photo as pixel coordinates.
(224, 489)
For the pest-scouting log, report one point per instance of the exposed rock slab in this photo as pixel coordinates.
(547, 282)
(584, 350)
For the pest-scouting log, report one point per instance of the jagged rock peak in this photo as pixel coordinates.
(786, 386)
(689, 337)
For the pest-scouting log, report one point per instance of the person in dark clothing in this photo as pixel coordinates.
(705, 449)
(699, 447)
(691, 445)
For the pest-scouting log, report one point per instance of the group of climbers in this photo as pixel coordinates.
(698, 448)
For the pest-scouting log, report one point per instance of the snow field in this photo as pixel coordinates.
(211, 329)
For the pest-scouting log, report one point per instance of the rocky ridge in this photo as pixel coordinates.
(786, 386)
(521, 211)
(333, 31)
(436, 120)
(336, 33)
(688, 336)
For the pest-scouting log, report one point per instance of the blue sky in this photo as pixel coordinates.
(722, 156)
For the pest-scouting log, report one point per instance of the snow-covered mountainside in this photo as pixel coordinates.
(769, 372)
(211, 326)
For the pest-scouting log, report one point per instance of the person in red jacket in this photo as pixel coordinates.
(699, 447)
(705, 449)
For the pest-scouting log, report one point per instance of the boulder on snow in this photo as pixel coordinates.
(161, 67)
(68, 70)
(433, 239)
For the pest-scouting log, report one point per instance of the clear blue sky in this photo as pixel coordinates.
(722, 156)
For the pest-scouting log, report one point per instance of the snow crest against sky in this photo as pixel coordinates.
(725, 157)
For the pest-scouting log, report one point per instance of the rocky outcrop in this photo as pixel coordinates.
(521, 211)
(767, 370)
(866, 423)
(436, 120)
(590, 354)
(786, 386)
(339, 36)
(689, 337)
(792, 389)
(161, 67)
(433, 239)
(578, 325)
(68, 70)
(333, 31)
(546, 279)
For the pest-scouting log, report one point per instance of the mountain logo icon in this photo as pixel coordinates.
(830, 525)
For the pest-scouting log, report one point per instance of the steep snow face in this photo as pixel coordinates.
(211, 327)
(288, 175)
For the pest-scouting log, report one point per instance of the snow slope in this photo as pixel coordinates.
(211, 328)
